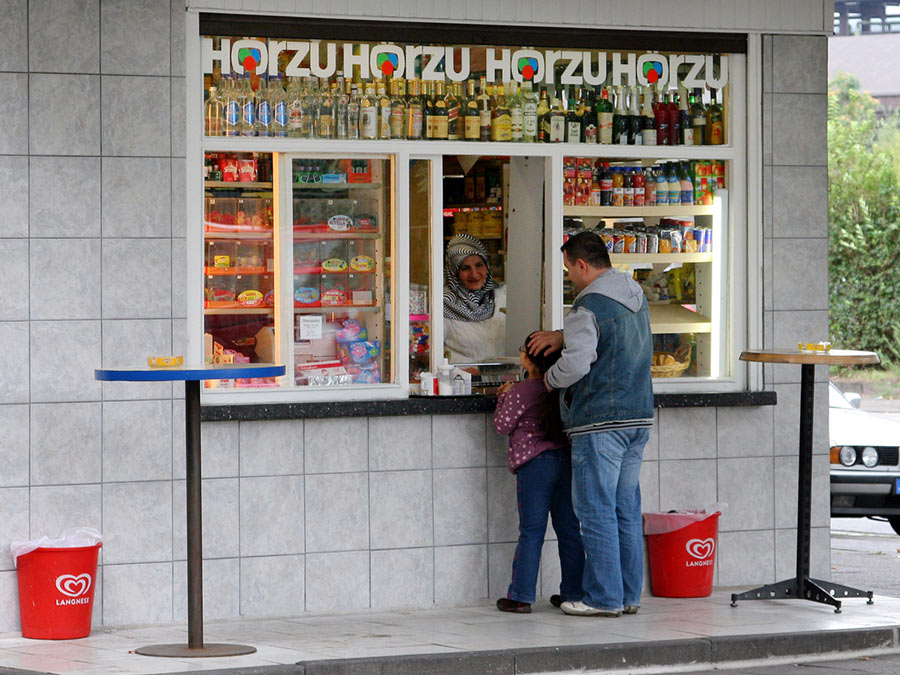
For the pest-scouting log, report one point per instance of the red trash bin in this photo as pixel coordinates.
(682, 551)
(56, 591)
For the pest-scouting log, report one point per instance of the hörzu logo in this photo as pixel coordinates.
(702, 550)
(75, 588)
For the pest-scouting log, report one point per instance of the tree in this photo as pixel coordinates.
(863, 223)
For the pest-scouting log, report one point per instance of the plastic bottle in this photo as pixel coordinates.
(662, 187)
(606, 185)
(674, 184)
(445, 383)
(649, 187)
(618, 187)
(687, 185)
(627, 187)
(639, 187)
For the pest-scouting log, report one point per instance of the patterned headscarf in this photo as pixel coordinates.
(459, 302)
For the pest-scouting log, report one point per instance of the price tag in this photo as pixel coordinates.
(310, 327)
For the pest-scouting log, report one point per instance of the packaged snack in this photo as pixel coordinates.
(675, 238)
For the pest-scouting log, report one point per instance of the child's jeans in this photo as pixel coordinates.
(544, 486)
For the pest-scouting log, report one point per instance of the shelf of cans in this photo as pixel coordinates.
(413, 109)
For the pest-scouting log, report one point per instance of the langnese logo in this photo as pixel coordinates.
(75, 587)
(702, 551)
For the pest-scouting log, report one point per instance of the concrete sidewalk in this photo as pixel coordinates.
(674, 634)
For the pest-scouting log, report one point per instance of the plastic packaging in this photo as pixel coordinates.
(427, 383)
(462, 382)
(69, 538)
(445, 379)
(671, 521)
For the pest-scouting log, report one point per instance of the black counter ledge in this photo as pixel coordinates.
(444, 405)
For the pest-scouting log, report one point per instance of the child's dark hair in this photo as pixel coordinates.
(551, 419)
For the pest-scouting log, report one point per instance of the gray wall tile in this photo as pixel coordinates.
(273, 586)
(337, 512)
(767, 201)
(398, 443)
(65, 454)
(14, 35)
(746, 485)
(458, 440)
(137, 522)
(14, 279)
(14, 362)
(651, 449)
(273, 526)
(14, 445)
(178, 37)
(746, 558)
(799, 63)
(9, 611)
(130, 296)
(13, 523)
(800, 286)
(69, 379)
(768, 130)
(460, 506)
(819, 558)
(785, 485)
(497, 444)
(220, 442)
(502, 505)
(136, 197)
(125, 343)
(687, 484)
(791, 327)
(136, 116)
(687, 433)
(13, 104)
(460, 574)
(767, 63)
(787, 419)
(271, 447)
(744, 432)
(221, 586)
(403, 578)
(221, 519)
(65, 290)
(133, 452)
(550, 577)
(14, 196)
(336, 445)
(500, 560)
(179, 121)
(64, 118)
(64, 37)
(64, 196)
(179, 280)
(798, 129)
(337, 581)
(120, 21)
(137, 594)
(400, 508)
(650, 486)
(179, 214)
(799, 202)
(54, 509)
(768, 245)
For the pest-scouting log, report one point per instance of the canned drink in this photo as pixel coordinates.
(608, 240)
(704, 239)
(641, 243)
(630, 243)
(652, 243)
(618, 243)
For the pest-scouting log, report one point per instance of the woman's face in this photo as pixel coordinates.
(473, 272)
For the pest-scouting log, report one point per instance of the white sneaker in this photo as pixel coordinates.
(578, 608)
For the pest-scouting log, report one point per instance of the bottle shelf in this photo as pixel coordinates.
(659, 258)
(236, 185)
(637, 211)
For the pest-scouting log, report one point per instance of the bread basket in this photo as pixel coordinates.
(682, 357)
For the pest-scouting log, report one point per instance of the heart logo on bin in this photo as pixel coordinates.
(69, 584)
(700, 548)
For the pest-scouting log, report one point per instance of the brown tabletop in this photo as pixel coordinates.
(835, 357)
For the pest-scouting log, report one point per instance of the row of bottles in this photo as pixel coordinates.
(416, 110)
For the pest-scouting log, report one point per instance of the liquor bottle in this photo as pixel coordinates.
(529, 113)
(453, 105)
(427, 111)
(589, 127)
(440, 124)
(263, 110)
(383, 104)
(715, 121)
(309, 120)
(341, 101)
(501, 118)
(368, 113)
(484, 111)
(294, 106)
(415, 111)
(231, 102)
(280, 114)
(325, 110)
(516, 113)
(247, 102)
(353, 112)
(604, 118)
(674, 118)
(212, 122)
(635, 137)
(557, 123)
(684, 114)
(543, 118)
(398, 108)
(472, 121)
(620, 119)
(573, 120)
(661, 113)
(648, 121)
(698, 117)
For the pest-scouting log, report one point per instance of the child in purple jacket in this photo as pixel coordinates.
(539, 455)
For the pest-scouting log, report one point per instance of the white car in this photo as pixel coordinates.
(865, 461)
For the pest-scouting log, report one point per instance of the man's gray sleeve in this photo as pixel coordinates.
(579, 351)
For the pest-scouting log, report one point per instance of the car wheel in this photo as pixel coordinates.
(895, 523)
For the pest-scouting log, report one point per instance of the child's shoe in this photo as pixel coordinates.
(507, 605)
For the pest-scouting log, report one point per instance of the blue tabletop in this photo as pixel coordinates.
(213, 372)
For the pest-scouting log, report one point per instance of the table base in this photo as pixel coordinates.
(182, 650)
(804, 588)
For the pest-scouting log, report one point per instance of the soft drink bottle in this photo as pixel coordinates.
(263, 110)
(662, 187)
(232, 105)
(687, 185)
(674, 183)
(280, 112)
(639, 188)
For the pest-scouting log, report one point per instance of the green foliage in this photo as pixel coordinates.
(863, 222)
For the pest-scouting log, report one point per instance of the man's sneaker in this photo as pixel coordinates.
(631, 609)
(556, 600)
(578, 608)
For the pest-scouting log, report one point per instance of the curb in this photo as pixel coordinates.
(697, 652)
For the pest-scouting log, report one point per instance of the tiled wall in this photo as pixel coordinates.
(325, 514)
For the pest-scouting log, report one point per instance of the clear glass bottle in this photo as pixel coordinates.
(368, 113)
(698, 116)
(263, 110)
(484, 110)
(341, 101)
(398, 108)
(383, 107)
(231, 124)
(516, 113)
(648, 119)
(529, 113)
(415, 111)
(247, 100)
(212, 117)
(353, 112)
(325, 110)
(557, 122)
(501, 119)
(309, 120)
(280, 110)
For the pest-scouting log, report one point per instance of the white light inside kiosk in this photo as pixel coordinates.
(719, 246)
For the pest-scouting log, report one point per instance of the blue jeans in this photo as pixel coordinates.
(544, 485)
(606, 491)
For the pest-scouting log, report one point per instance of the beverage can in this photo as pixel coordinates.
(630, 243)
(652, 243)
(640, 243)
(618, 243)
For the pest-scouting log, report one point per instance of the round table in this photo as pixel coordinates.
(192, 376)
(801, 586)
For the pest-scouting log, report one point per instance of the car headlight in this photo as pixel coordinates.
(848, 455)
(870, 456)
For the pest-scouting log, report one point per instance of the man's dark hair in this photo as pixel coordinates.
(587, 246)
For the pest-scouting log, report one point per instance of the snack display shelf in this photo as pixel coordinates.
(326, 187)
(625, 258)
(319, 309)
(239, 310)
(249, 235)
(638, 211)
(234, 271)
(336, 235)
(237, 185)
(669, 318)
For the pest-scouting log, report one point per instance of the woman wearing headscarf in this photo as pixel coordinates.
(474, 304)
